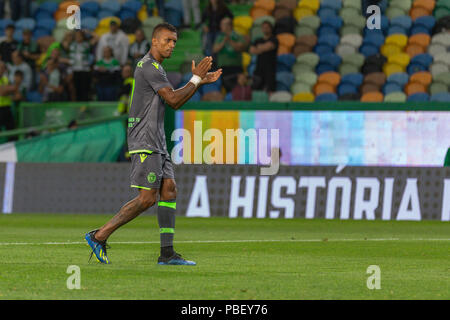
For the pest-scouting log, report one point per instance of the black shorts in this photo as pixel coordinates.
(148, 170)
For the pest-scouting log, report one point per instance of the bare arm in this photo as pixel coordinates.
(176, 98)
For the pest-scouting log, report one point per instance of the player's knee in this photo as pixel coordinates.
(147, 200)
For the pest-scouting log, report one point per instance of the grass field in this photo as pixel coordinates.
(237, 259)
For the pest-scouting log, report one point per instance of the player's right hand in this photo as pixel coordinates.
(202, 68)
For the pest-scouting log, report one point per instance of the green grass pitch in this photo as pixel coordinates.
(237, 259)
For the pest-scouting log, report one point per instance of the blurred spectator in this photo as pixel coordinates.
(73, 124)
(50, 83)
(115, 39)
(20, 64)
(31, 53)
(228, 47)
(107, 72)
(212, 16)
(8, 44)
(193, 5)
(242, 91)
(264, 77)
(66, 74)
(19, 9)
(6, 115)
(139, 48)
(80, 57)
(125, 89)
(19, 93)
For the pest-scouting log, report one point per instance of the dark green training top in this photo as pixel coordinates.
(146, 117)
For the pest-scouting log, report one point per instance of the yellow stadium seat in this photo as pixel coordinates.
(400, 59)
(303, 97)
(246, 60)
(309, 4)
(391, 68)
(131, 38)
(400, 40)
(244, 22)
(300, 13)
(390, 49)
(142, 13)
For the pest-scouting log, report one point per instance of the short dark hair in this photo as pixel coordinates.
(10, 26)
(163, 26)
(19, 73)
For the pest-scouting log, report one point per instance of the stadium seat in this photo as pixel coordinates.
(331, 4)
(374, 39)
(372, 97)
(441, 97)
(346, 88)
(437, 87)
(303, 97)
(300, 87)
(324, 88)
(391, 68)
(47, 24)
(390, 49)
(395, 97)
(368, 87)
(89, 23)
(281, 96)
(425, 78)
(355, 79)
(391, 87)
(132, 5)
(332, 78)
(404, 22)
(90, 7)
(400, 78)
(285, 78)
(413, 50)
(438, 68)
(419, 97)
(376, 78)
(326, 97)
(25, 23)
(414, 87)
(345, 50)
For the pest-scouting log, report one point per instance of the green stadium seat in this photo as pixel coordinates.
(352, 4)
(300, 87)
(348, 29)
(438, 68)
(443, 77)
(260, 96)
(310, 59)
(438, 87)
(312, 22)
(346, 68)
(309, 78)
(281, 96)
(356, 59)
(393, 12)
(404, 5)
(395, 97)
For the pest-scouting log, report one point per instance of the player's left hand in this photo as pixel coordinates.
(212, 77)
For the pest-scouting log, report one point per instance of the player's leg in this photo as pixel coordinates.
(146, 176)
(128, 212)
(166, 218)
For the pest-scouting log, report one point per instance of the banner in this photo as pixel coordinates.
(311, 192)
(97, 143)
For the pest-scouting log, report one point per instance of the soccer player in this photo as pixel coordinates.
(151, 167)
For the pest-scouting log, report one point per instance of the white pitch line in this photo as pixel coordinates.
(221, 241)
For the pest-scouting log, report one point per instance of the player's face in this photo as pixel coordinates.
(165, 43)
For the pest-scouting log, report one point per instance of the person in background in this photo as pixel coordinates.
(242, 90)
(8, 44)
(139, 48)
(18, 63)
(20, 92)
(80, 61)
(125, 89)
(265, 48)
(50, 82)
(31, 52)
(229, 46)
(6, 115)
(193, 5)
(29, 48)
(19, 9)
(115, 39)
(211, 18)
(107, 72)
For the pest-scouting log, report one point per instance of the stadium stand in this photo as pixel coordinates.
(325, 53)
